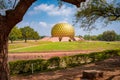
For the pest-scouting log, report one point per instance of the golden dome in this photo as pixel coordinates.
(62, 30)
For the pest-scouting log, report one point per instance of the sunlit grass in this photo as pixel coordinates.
(62, 46)
(22, 44)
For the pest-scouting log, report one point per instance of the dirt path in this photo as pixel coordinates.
(44, 55)
(110, 67)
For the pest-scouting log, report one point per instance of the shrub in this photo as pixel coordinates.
(53, 62)
(25, 66)
(38, 65)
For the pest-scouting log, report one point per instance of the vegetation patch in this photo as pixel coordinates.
(65, 46)
(39, 65)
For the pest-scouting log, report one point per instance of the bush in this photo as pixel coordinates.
(53, 62)
(38, 65)
(25, 66)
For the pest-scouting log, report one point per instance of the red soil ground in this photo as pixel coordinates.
(43, 55)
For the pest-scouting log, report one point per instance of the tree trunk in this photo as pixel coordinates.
(25, 40)
(11, 41)
(7, 22)
(4, 71)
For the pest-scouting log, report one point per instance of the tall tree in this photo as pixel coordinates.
(36, 36)
(15, 34)
(99, 37)
(27, 33)
(7, 22)
(109, 36)
(118, 37)
(87, 37)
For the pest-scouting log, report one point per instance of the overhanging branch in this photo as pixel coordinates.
(16, 15)
(74, 2)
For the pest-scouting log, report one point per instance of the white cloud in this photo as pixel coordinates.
(43, 24)
(53, 10)
(44, 7)
(23, 24)
(65, 20)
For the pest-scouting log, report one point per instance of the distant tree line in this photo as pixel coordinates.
(25, 33)
(105, 36)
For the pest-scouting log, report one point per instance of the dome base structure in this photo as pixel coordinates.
(66, 38)
(63, 39)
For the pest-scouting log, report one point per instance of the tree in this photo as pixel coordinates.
(36, 36)
(87, 37)
(99, 37)
(15, 34)
(93, 37)
(118, 38)
(27, 33)
(94, 10)
(105, 36)
(7, 22)
(109, 36)
(42, 37)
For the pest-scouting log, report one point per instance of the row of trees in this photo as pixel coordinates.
(105, 36)
(23, 34)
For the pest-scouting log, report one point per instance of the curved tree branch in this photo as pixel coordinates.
(16, 15)
(74, 2)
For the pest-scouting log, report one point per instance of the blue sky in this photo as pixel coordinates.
(44, 14)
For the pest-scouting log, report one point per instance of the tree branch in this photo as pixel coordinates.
(74, 2)
(14, 3)
(16, 15)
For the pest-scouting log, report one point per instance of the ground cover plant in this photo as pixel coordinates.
(63, 46)
(39, 65)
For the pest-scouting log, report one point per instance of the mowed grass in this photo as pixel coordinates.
(63, 46)
(22, 44)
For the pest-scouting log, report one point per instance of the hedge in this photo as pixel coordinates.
(39, 65)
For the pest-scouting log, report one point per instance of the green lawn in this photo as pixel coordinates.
(62, 46)
(22, 44)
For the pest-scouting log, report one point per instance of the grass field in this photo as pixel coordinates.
(22, 44)
(62, 46)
